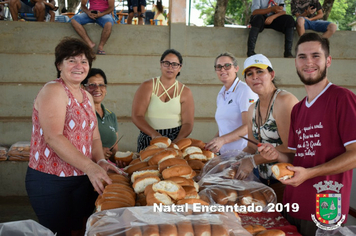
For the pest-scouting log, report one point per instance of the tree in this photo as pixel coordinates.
(327, 6)
(72, 5)
(220, 11)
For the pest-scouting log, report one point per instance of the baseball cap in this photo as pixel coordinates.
(257, 60)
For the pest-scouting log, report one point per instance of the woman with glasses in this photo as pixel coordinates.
(95, 83)
(233, 102)
(66, 159)
(163, 106)
(269, 120)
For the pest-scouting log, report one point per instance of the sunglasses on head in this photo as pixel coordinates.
(226, 66)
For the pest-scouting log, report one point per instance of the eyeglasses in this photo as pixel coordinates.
(175, 65)
(94, 86)
(226, 66)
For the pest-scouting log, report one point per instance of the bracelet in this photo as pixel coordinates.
(253, 161)
(101, 161)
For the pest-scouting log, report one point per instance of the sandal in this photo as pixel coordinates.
(142, 15)
(101, 52)
(135, 14)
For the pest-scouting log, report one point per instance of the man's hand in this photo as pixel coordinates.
(269, 20)
(92, 15)
(301, 174)
(277, 9)
(310, 10)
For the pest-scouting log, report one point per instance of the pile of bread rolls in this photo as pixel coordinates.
(168, 168)
(229, 195)
(116, 195)
(19, 151)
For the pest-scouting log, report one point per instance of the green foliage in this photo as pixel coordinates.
(238, 12)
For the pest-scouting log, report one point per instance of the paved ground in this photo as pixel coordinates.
(16, 208)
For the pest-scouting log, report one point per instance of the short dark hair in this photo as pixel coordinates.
(93, 72)
(314, 37)
(175, 52)
(70, 47)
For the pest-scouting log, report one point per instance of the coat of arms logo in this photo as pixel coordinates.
(328, 206)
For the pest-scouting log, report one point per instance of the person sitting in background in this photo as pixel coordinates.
(66, 159)
(96, 84)
(233, 101)
(24, 6)
(138, 14)
(51, 8)
(100, 13)
(270, 14)
(158, 10)
(269, 120)
(308, 14)
(163, 106)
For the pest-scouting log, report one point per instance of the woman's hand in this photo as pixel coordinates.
(268, 152)
(244, 169)
(97, 176)
(215, 144)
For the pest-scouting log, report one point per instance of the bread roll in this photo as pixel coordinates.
(202, 228)
(161, 156)
(172, 189)
(144, 173)
(269, 194)
(158, 198)
(177, 170)
(168, 230)
(196, 164)
(219, 195)
(281, 172)
(141, 200)
(185, 228)
(162, 142)
(118, 177)
(135, 167)
(171, 162)
(245, 197)
(209, 155)
(133, 231)
(192, 201)
(188, 150)
(148, 189)
(254, 228)
(141, 183)
(116, 186)
(107, 205)
(258, 198)
(197, 143)
(124, 156)
(218, 230)
(190, 192)
(182, 181)
(115, 197)
(150, 230)
(154, 167)
(145, 155)
(183, 143)
(134, 161)
(271, 232)
(173, 146)
(196, 156)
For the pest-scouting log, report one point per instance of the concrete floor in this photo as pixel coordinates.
(16, 208)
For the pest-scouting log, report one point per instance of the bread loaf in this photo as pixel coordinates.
(171, 162)
(188, 150)
(192, 201)
(172, 189)
(141, 183)
(252, 229)
(162, 142)
(183, 143)
(158, 198)
(185, 228)
(281, 172)
(202, 228)
(168, 230)
(135, 167)
(133, 231)
(197, 143)
(144, 173)
(150, 230)
(124, 156)
(145, 155)
(161, 156)
(177, 170)
(218, 230)
(271, 232)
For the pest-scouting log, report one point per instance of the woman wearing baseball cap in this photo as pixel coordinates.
(270, 119)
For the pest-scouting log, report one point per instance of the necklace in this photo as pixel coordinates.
(259, 118)
(259, 123)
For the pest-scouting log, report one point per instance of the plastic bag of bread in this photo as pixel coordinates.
(148, 221)
(19, 151)
(3, 153)
(224, 166)
(244, 196)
